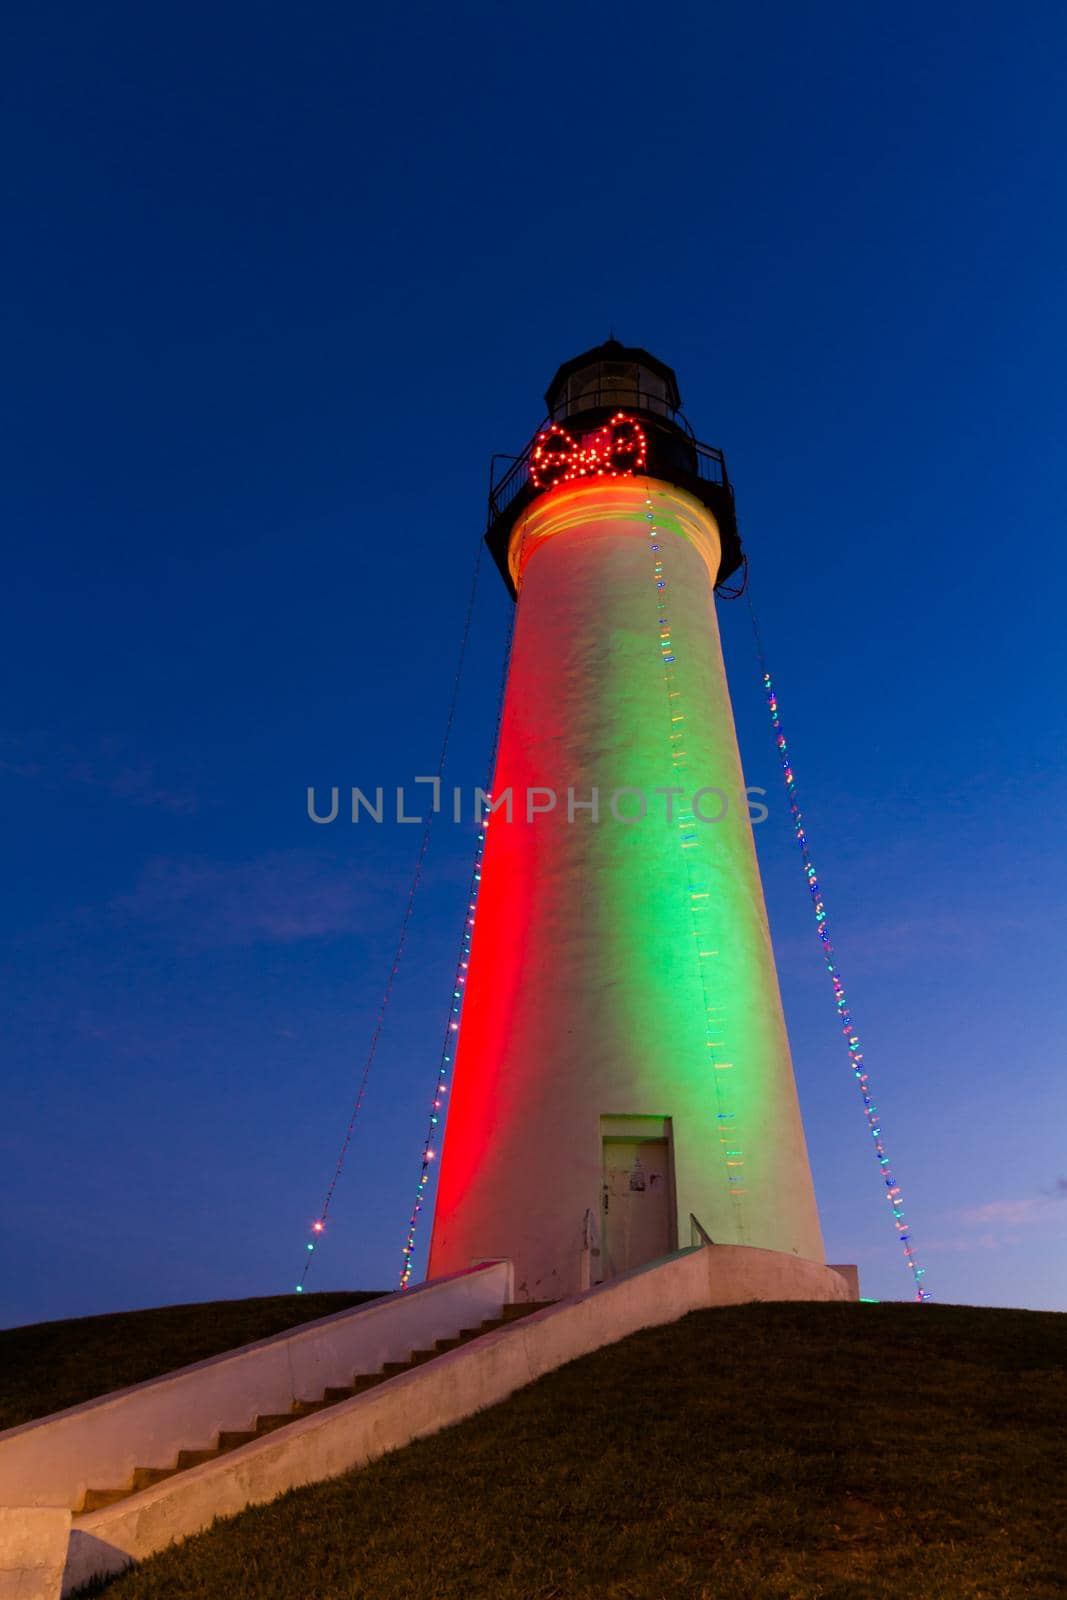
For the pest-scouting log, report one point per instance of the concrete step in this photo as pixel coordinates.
(307, 1408)
(145, 1477)
(368, 1380)
(97, 1499)
(196, 1458)
(234, 1438)
(272, 1421)
(509, 1314)
(524, 1308)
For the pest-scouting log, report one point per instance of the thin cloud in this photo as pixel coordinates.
(998, 1223)
(1013, 1213)
(107, 764)
(279, 898)
(959, 1244)
(999, 1219)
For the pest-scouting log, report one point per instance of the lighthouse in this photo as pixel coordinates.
(622, 1077)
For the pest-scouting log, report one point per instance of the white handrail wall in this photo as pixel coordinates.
(52, 1461)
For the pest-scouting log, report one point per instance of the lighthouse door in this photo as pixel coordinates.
(635, 1204)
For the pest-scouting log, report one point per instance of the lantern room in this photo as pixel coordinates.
(612, 411)
(614, 377)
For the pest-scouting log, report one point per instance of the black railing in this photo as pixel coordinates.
(509, 475)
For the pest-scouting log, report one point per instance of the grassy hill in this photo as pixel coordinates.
(801, 1452)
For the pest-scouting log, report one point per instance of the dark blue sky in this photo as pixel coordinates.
(276, 283)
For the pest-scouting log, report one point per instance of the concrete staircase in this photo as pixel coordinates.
(271, 1422)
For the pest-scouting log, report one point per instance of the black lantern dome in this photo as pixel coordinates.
(616, 375)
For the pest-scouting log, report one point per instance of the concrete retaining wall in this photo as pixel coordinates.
(33, 1552)
(431, 1397)
(51, 1462)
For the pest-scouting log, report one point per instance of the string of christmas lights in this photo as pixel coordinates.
(459, 985)
(848, 1027)
(728, 1129)
(618, 449)
(448, 1050)
(318, 1227)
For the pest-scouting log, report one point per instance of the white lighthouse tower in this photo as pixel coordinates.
(622, 1063)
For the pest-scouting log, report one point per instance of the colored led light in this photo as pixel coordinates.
(441, 1087)
(852, 1041)
(618, 449)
